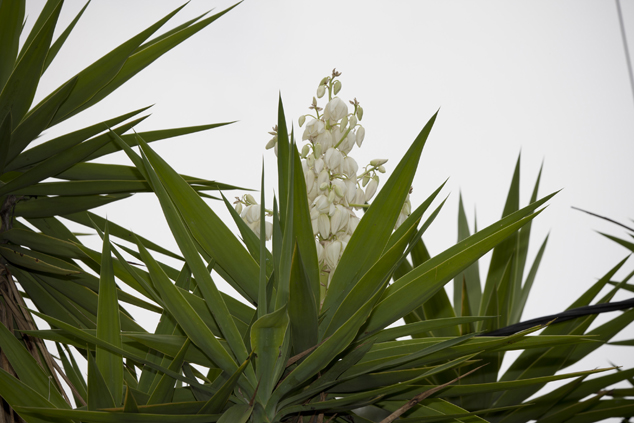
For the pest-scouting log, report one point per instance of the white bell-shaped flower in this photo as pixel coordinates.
(333, 158)
(335, 110)
(340, 187)
(325, 139)
(319, 165)
(335, 221)
(323, 178)
(370, 189)
(321, 203)
(320, 251)
(350, 167)
(251, 214)
(332, 253)
(323, 222)
(309, 177)
(353, 222)
(313, 129)
(359, 197)
(351, 190)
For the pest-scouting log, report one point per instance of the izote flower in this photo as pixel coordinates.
(334, 186)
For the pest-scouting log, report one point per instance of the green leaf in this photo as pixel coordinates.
(471, 275)
(62, 161)
(108, 326)
(108, 417)
(87, 219)
(218, 401)
(17, 95)
(74, 374)
(17, 393)
(59, 42)
(38, 119)
(37, 261)
(164, 390)
(91, 80)
(55, 146)
(151, 136)
(11, 19)
(238, 413)
(54, 206)
(43, 243)
(5, 139)
(302, 309)
(422, 283)
(374, 229)
(99, 394)
(207, 229)
(267, 336)
(140, 58)
(187, 318)
(28, 370)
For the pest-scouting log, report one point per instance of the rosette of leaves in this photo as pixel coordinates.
(279, 355)
(57, 177)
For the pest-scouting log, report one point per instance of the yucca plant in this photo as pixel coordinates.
(314, 338)
(25, 188)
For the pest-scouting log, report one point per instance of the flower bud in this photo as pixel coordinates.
(302, 119)
(238, 208)
(305, 150)
(353, 121)
(310, 161)
(321, 90)
(324, 80)
(366, 179)
(272, 142)
(331, 196)
(378, 162)
(338, 191)
(249, 199)
(360, 135)
(382, 169)
(371, 189)
(323, 186)
(360, 112)
(323, 222)
(343, 123)
(318, 150)
(337, 87)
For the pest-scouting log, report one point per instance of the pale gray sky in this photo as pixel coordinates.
(547, 78)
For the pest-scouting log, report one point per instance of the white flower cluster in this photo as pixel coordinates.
(249, 211)
(334, 184)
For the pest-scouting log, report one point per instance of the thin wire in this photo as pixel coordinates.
(627, 51)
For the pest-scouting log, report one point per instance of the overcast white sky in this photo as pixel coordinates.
(544, 78)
